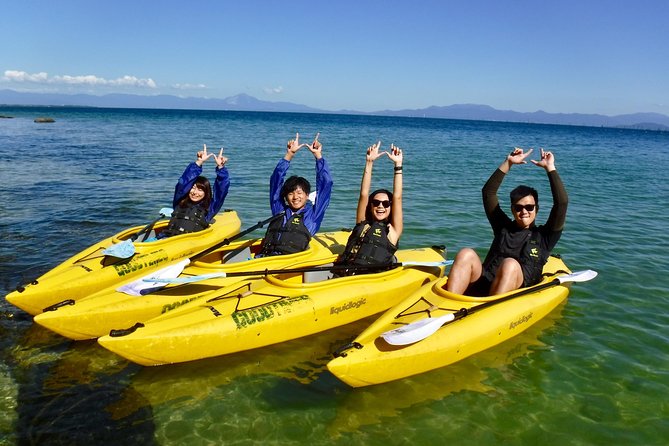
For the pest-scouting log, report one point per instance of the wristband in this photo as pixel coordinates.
(398, 168)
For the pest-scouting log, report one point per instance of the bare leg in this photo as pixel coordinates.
(466, 269)
(509, 277)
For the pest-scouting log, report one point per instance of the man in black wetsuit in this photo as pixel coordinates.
(520, 248)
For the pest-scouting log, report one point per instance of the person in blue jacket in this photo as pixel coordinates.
(195, 204)
(300, 219)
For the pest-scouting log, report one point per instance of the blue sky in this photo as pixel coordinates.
(585, 56)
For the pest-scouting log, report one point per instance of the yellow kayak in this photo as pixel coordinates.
(433, 328)
(97, 314)
(91, 270)
(255, 313)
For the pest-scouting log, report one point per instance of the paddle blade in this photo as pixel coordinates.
(122, 250)
(145, 283)
(166, 212)
(416, 331)
(191, 279)
(579, 276)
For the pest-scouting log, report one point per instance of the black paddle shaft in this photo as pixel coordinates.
(229, 240)
(462, 312)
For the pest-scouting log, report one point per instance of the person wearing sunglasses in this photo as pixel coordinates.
(379, 221)
(301, 220)
(519, 248)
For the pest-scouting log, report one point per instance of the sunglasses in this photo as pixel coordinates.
(377, 203)
(527, 207)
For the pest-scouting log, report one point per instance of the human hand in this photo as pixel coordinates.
(203, 156)
(373, 152)
(220, 159)
(316, 147)
(517, 156)
(395, 155)
(547, 161)
(293, 146)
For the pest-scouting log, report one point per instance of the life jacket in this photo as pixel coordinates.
(368, 244)
(288, 238)
(531, 256)
(191, 218)
(532, 259)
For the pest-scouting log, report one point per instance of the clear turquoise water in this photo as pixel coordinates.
(596, 371)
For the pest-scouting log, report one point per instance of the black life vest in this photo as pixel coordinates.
(368, 244)
(288, 238)
(530, 254)
(186, 219)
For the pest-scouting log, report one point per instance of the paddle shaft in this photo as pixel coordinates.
(146, 228)
(421, 329)
(306, 269)
(229, 240)
(266, 272)
(462, 312)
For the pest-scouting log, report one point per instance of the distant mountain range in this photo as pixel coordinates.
(244, 102)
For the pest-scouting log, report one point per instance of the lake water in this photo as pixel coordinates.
(596, 371)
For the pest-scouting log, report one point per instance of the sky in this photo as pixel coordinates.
(569, 56)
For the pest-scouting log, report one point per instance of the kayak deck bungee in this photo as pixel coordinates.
(278, 308)
(90, 270)
(370, 359)
(97, 314)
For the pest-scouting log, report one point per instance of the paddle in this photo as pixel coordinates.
(266, 272)
(126, 249)
(140, 286)
(421, 329)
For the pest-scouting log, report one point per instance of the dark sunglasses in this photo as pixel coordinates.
(377, 203)
(527, 207)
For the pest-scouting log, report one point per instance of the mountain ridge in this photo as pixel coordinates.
(245, 102)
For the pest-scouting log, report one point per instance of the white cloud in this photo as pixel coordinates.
(22, 76)
(88, 80)
(274, 90)
(189, 86)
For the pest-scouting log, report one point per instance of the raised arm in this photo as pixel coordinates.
(323, 185)
(366, 182)
(397, 222)
(490, 200)
(221, 185)
(558, 213)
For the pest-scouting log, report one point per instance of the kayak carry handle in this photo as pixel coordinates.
(125, 331)
(54, 307)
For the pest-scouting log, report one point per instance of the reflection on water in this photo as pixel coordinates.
(592, 373)
(281, 382)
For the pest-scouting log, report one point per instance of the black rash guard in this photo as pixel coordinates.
(532, 246)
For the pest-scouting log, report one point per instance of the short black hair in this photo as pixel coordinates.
(293, 183)
(523, 191)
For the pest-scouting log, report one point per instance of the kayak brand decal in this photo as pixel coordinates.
(523, 319)
(246, 318)
(173, 305)
(154, 258)
(348, 306)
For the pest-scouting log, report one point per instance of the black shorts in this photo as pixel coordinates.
(479, 288)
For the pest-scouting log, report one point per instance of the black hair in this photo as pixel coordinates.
(293, 183)
(523, 191)
(369, 216)
(202, 183)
